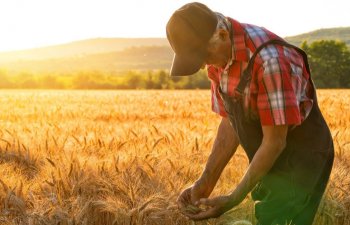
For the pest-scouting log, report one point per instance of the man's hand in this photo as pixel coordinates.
(213, 207)
(188, 197)
(184, 201)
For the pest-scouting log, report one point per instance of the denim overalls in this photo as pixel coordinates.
(291, 191)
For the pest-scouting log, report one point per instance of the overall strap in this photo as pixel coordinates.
(247, 73)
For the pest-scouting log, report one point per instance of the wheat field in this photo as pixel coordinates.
(122, 157)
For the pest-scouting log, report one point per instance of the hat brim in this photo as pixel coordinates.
(188, 64)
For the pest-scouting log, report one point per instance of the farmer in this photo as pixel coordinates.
(262, 89)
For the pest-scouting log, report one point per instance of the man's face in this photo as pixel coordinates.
(220, 54)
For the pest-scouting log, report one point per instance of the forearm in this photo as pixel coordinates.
(258, 168)
(223, 149)
(264, 159)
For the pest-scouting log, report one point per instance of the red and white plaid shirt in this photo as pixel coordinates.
(279, 92)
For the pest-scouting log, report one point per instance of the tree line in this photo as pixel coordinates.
(152, 79)
(329, 61)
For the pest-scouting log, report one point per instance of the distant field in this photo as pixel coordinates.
(122, 157)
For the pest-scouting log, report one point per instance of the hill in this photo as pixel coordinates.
(341, 33)
(132, 58)
(81, 48)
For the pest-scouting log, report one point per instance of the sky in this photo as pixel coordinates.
(29, 24)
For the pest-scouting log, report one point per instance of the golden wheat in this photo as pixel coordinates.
(122, 157)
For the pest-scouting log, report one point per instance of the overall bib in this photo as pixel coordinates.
(291, 191)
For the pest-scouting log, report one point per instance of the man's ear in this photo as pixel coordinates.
(224, 34)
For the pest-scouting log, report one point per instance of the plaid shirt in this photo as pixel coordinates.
(279, 92)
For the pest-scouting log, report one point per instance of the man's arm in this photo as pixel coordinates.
(224, 147)
(273, 143)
